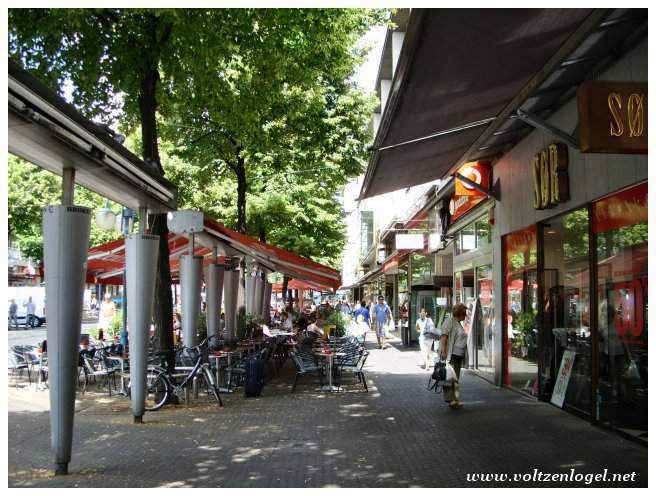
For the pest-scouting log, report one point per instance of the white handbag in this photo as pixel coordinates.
(450, 374)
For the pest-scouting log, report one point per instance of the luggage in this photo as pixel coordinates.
(254, 377)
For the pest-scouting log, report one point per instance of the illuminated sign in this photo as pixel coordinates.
(409, 241)
(550, 179)
(613, 117)
(465, 196)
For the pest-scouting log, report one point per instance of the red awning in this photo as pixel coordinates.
(106, 262)
(300, 286)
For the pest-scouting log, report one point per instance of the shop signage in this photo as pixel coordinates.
(550, 178)
(465, 197)
(562, 381)
(478, 172)
(409, 241)
(613, 117)
(625, 208)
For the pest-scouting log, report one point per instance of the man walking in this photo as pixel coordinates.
(13, 311)
(30, 310)
(382, 315)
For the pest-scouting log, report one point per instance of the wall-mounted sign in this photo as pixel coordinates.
(550, 179)
(612, 117)
(409, 241)
(478, 172)
(465, 197)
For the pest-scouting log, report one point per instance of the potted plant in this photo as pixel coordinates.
(248, 325)
(525, 340)
(338, 320)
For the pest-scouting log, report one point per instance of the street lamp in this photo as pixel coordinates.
(106, 218)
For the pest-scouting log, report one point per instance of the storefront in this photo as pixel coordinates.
(471, 232)
(572, 231)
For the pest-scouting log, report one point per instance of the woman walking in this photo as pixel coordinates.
(453, 345)
(427, 336)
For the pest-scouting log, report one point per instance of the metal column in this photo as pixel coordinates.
(141, 253)
(214, 274)
(65, 244)
(190, 282)
(250, 292)
(230, 289)
(258, 296)
(266, 304)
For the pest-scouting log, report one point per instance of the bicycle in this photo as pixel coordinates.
(160, 384)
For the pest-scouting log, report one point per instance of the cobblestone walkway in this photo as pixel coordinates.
(396, 435)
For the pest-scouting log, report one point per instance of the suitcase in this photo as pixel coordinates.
(254, 377)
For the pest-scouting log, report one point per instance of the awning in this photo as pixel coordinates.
(463, 73)
(106, 262)
(300, 286)
(47, 131)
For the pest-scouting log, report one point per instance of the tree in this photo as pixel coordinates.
(271, 127)
(116, 60)
(31, 189)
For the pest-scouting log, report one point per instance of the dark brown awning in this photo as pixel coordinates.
(463, 72)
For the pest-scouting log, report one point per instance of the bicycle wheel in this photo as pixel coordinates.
(209, 379)
(157, 391)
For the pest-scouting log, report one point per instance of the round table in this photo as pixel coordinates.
(329, 357)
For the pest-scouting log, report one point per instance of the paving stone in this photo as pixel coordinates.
(396, 435)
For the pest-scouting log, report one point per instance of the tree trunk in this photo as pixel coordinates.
(285, 283)
(163, 304)
(240, 170)
(163, 301)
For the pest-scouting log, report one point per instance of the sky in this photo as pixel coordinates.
(366, 74)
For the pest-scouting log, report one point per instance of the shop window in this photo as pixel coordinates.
(483, 231)
(484, 319)
(422, 269)
(567, 343)
(366, 232)
(620, 226)
(521, 335)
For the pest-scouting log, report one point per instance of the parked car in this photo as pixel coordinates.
(35, 321)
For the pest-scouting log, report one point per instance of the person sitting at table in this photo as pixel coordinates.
(287, 323)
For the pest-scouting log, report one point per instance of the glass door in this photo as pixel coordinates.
(484, 323)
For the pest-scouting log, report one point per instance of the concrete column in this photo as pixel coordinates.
(397, 44)
(258, 297)
(267, 302)
(241, 292)
(385, 87)
(190, 286)
(65, 244)
(214, 274)
(250, 292)
(230, 289)
(141, 252)
(376, 123)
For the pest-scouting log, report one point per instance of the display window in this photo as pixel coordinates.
(520, 369)
(566, 354)
(620, 226)
(484, 316)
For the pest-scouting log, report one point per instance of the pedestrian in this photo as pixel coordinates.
(30, 310)
(13, 312)
(363, 318)
(427, 336)
(453, 346)
(107, 312)
(382, 315)
(94, 303)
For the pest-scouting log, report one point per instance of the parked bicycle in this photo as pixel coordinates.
(161, 384)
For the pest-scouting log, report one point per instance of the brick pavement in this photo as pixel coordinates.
(397, 435)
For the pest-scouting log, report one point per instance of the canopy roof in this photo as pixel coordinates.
(462, 75)
(49, 132)
(300, 286)
(106, 262)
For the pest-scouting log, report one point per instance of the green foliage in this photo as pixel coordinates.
(338, 320)
(201, 326)
(255, 98)
(248, 324)
(116, 325)
(32, 188)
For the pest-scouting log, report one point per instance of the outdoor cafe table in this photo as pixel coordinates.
(329, 357)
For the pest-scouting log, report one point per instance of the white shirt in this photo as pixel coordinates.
(425, 325)
(30, 307)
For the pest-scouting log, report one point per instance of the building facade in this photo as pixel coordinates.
(541, 221)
